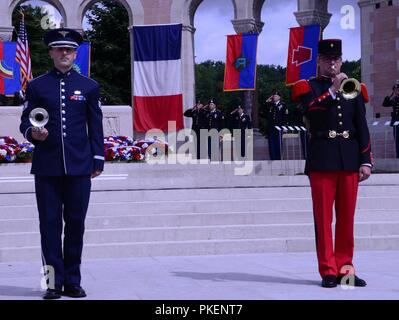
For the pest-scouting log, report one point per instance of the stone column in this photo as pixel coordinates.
(132, 71)
(6, 33)
(188, 70)
(366, 9)
(313, 12)
(249, 26)
(6, 27)
(380, 51)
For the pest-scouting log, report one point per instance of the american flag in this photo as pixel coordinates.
(23, 55)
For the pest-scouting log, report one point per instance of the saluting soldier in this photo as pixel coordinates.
(393, 101)
(241, 121)
(69, 151)
(339, 157)
(198, 114)
(277, 115)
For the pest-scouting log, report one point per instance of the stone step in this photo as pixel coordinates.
(198, 247)
(259, 231)
(144, 176)
(196, 219)
(193, 206)
(7, 199)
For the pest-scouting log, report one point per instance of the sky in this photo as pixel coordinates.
(212, 21)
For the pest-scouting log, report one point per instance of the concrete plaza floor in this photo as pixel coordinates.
(267, 276)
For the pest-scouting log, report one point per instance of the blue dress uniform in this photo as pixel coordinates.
(63, 164)
(276, 116)
(394, 103)
(339, 146)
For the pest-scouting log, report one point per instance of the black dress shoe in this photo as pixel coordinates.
(74, 291)
(52, 294)
(329, 281)
(348, 282)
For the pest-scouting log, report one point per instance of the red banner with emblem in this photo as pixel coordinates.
(302, 53)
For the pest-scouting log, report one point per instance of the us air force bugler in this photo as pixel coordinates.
(68, 152)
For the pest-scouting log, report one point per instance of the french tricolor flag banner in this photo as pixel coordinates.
(302, 53)
(240, 70)
(157, 93)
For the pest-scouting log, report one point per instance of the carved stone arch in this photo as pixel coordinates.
(129, 5)
(257, 9)
(191, 6)
(56, 3)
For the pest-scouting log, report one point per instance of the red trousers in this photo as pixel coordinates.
(339, 187)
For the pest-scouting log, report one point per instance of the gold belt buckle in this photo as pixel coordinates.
(345, 134)
(332, 134)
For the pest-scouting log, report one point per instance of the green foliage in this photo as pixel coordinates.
(209, 77)
(110, 50)
(352, 69)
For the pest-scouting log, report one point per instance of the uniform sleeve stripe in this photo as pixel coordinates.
(99, 158)
(319, 99)
(366, 149)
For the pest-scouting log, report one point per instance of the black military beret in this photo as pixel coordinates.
(330, 47)
(396, 86)
(63, 37)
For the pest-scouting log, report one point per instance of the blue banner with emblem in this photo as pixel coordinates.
(82, 62)
(9, 69)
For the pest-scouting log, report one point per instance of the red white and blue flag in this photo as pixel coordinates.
(157, 93)
(9, 69)
(23, 55)
(240, 70)
(302, 53)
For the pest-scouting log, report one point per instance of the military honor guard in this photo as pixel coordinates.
(198, 115)
(339, 157)
(277, 116)
(69, 152)
(215, 120)
(393, 101)
(241, 121)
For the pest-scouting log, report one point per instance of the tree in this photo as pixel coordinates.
(110, 50)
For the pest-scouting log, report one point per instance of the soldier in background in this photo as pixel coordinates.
(241, 121)
(214, 120)
(277, 115)
(3, 100)
(198, 114)
(393, 101)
